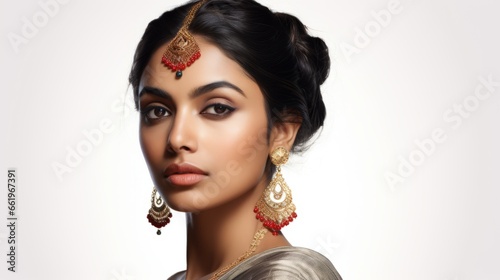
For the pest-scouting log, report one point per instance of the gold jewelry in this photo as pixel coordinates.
(253, 246)
(275, 208)
(159, 214)
(183, 50)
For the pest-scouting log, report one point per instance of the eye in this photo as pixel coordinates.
(218, 110)
(155, 112)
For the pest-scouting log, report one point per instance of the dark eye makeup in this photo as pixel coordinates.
(214, 111)
(218, 110)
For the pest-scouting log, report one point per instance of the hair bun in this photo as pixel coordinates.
(313, 66)
(311, 52)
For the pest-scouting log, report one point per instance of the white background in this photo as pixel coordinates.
(440, 222)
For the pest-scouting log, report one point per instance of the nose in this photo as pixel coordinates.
(182, 134)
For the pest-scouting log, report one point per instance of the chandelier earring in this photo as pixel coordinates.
(159, 214)
(275, 208)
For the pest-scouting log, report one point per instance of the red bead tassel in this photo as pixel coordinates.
(159, 223)
(273, 226)
(181, 65)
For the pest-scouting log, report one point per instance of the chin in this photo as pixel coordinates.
(188, 201)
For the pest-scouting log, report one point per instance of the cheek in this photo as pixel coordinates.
(152, 140)
(243, 143)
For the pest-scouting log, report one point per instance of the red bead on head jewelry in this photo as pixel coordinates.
(183, 50)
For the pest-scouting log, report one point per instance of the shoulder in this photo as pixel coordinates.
(181, 275)
(291, 263)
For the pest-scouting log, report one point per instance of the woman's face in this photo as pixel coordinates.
(204, 136)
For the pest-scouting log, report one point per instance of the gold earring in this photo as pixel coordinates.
(275, 208)
(159, 214)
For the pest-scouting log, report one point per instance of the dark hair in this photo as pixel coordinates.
(274, 49)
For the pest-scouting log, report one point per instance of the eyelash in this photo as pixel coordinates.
(227, 110)
(165, 112)
(150, 109)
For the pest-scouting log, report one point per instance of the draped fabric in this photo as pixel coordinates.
(282, 263)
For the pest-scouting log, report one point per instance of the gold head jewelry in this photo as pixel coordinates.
(182, 51)
(159, 214)
(275, 208)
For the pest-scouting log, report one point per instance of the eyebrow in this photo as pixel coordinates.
(197, 92)
(155, 91)
(209, 87)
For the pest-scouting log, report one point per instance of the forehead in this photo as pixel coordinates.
(213, 65)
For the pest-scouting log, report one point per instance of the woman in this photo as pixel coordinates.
(226, 88)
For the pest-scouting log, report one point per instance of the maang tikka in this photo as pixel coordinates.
(182, 51)
(159, 214)
(275, 208)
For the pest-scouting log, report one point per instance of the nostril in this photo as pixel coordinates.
(171, 149)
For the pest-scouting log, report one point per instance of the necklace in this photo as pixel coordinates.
(253, 246)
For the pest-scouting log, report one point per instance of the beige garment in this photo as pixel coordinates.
(282, 263)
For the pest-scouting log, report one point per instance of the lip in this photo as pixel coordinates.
(184, 174)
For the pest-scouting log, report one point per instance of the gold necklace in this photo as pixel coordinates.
(253, 246)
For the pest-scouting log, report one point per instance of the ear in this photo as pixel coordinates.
(283, 134)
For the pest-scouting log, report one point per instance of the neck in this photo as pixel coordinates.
(219, 236)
